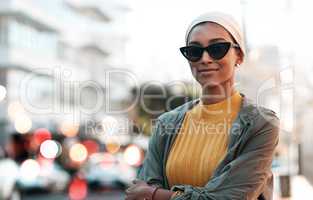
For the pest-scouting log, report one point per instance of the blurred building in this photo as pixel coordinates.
(48, 49)
(267, 77)
(28, 41)
(261, 64)
(102, 52)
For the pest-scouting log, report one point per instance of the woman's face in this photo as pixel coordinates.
(209, 72)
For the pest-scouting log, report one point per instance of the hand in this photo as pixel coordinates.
(140, 190)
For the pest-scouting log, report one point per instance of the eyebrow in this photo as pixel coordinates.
(211, 41)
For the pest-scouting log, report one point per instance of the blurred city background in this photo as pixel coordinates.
(81, 82)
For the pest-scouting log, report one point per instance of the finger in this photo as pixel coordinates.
(136, 181)
(131, 189)
(128, 191)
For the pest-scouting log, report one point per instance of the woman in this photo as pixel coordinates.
(220, 146)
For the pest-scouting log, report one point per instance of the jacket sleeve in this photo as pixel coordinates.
(151, 170)
(244, 177)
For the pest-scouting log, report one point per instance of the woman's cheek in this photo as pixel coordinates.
(226, 71)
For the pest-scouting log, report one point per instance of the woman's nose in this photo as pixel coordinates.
(206, 57)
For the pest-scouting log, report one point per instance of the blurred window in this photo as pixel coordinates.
(24, 35)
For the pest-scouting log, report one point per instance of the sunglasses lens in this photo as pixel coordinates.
(192, 53)
(218, 50)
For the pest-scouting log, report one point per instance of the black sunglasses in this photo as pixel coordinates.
(216, 51)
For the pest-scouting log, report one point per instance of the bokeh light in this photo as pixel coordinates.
(50, 149)
(41, 135)
(23, 124)
(91, 146)
(112, 144)
(78, 153)
(112, 147)
(3, 92)
(15, 109)
(77, 189)
(69, 129)
(30, 169)
(133, 155)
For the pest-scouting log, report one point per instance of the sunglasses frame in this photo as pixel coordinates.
(231, 45)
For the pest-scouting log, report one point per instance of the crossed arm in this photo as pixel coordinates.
(242, 178)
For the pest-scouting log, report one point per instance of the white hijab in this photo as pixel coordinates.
(226, 21)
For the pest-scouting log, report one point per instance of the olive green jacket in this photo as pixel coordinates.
(244, 173)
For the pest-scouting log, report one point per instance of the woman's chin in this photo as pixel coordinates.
(209, 83)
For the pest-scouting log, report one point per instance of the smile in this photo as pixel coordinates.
(207, 71)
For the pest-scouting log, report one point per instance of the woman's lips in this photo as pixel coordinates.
(207, 71)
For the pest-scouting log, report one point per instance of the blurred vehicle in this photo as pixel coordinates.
(42, 176)
(106, 171)
(32, 171)
(9, 171)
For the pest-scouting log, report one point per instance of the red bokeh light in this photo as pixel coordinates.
(91, 146)
(40, 135)
(77, 189)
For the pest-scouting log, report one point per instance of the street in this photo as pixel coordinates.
(92, 196)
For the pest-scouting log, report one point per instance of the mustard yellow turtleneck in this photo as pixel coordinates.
(201, 142)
